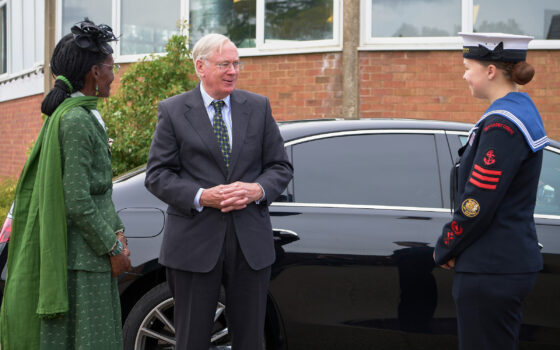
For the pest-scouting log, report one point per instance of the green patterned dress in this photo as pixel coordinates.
(94, 317)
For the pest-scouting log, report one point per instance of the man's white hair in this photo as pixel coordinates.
(207, 45)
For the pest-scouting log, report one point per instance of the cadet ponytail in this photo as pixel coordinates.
(522, 73)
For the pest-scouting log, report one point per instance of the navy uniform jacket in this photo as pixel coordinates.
(493, 229)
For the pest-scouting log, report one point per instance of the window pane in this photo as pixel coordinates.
(3, 50)
(540, 19)
(414, 18)
(548, 195)
(146, 25)
(298, 20)
(234, 19)
(385, 169)
(74, 11)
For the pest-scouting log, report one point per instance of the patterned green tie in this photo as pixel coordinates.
(221, 131)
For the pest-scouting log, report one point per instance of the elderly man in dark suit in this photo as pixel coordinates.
(218, 160)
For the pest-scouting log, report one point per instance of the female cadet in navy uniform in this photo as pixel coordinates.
(491, 241)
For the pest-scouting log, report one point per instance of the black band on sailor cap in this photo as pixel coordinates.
(495, 46)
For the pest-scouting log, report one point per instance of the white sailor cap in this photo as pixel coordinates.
(495, 46)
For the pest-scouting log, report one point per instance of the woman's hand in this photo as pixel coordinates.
(448, 265)
(121, 237)
(120, 264)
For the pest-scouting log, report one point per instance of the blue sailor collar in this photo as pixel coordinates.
(520, 110)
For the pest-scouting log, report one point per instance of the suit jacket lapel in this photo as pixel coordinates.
(197, 115)
(240, 121)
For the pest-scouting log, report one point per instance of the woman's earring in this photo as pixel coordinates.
(96, 90)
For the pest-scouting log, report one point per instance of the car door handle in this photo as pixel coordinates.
(284, 236)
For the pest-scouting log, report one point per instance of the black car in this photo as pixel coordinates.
(354, 235)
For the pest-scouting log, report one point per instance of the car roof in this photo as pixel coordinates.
(301, 128)
(296, 129)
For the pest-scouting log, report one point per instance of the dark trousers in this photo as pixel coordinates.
(196, 296)
(489, 309)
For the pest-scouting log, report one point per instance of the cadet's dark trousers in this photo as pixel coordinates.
(196, 296)
(489, 309)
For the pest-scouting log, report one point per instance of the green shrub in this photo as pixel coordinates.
(7, 192)
(131, 114)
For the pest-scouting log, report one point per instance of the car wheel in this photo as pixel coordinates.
(149, 325)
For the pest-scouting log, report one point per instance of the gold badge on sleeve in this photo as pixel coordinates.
(470, 207)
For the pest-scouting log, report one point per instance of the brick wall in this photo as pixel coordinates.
(545, 88)
(429, 85)
(298, 86)
(20, 123)
(400, 84)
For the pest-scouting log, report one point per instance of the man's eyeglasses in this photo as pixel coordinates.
(225, 66)
(115, 67)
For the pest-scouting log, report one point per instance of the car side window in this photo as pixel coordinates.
(548, 194)
(372, 169)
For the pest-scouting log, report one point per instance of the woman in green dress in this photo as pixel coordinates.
(67, 244)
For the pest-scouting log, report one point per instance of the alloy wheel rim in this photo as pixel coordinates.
(157, 332)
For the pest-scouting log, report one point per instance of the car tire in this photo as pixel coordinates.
(149, 325)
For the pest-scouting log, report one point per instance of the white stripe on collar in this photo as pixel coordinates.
(507, 114)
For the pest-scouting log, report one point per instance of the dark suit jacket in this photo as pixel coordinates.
(185, 156)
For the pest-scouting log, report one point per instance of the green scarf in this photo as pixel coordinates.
(36, 283)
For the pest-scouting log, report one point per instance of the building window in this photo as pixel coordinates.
(146, 25)
(298, 20)
(74, 11)
(235, 19)
(298, 24)
(268, 24)
(3, 40)
(391, 18)
(434, 24)
(255, 26)
(21, 42)
(540, 19)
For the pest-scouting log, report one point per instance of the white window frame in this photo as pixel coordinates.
(115, 15)
(261, 49)
(27, 80)
(6, 5)
(293, 46)
(370, 43)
